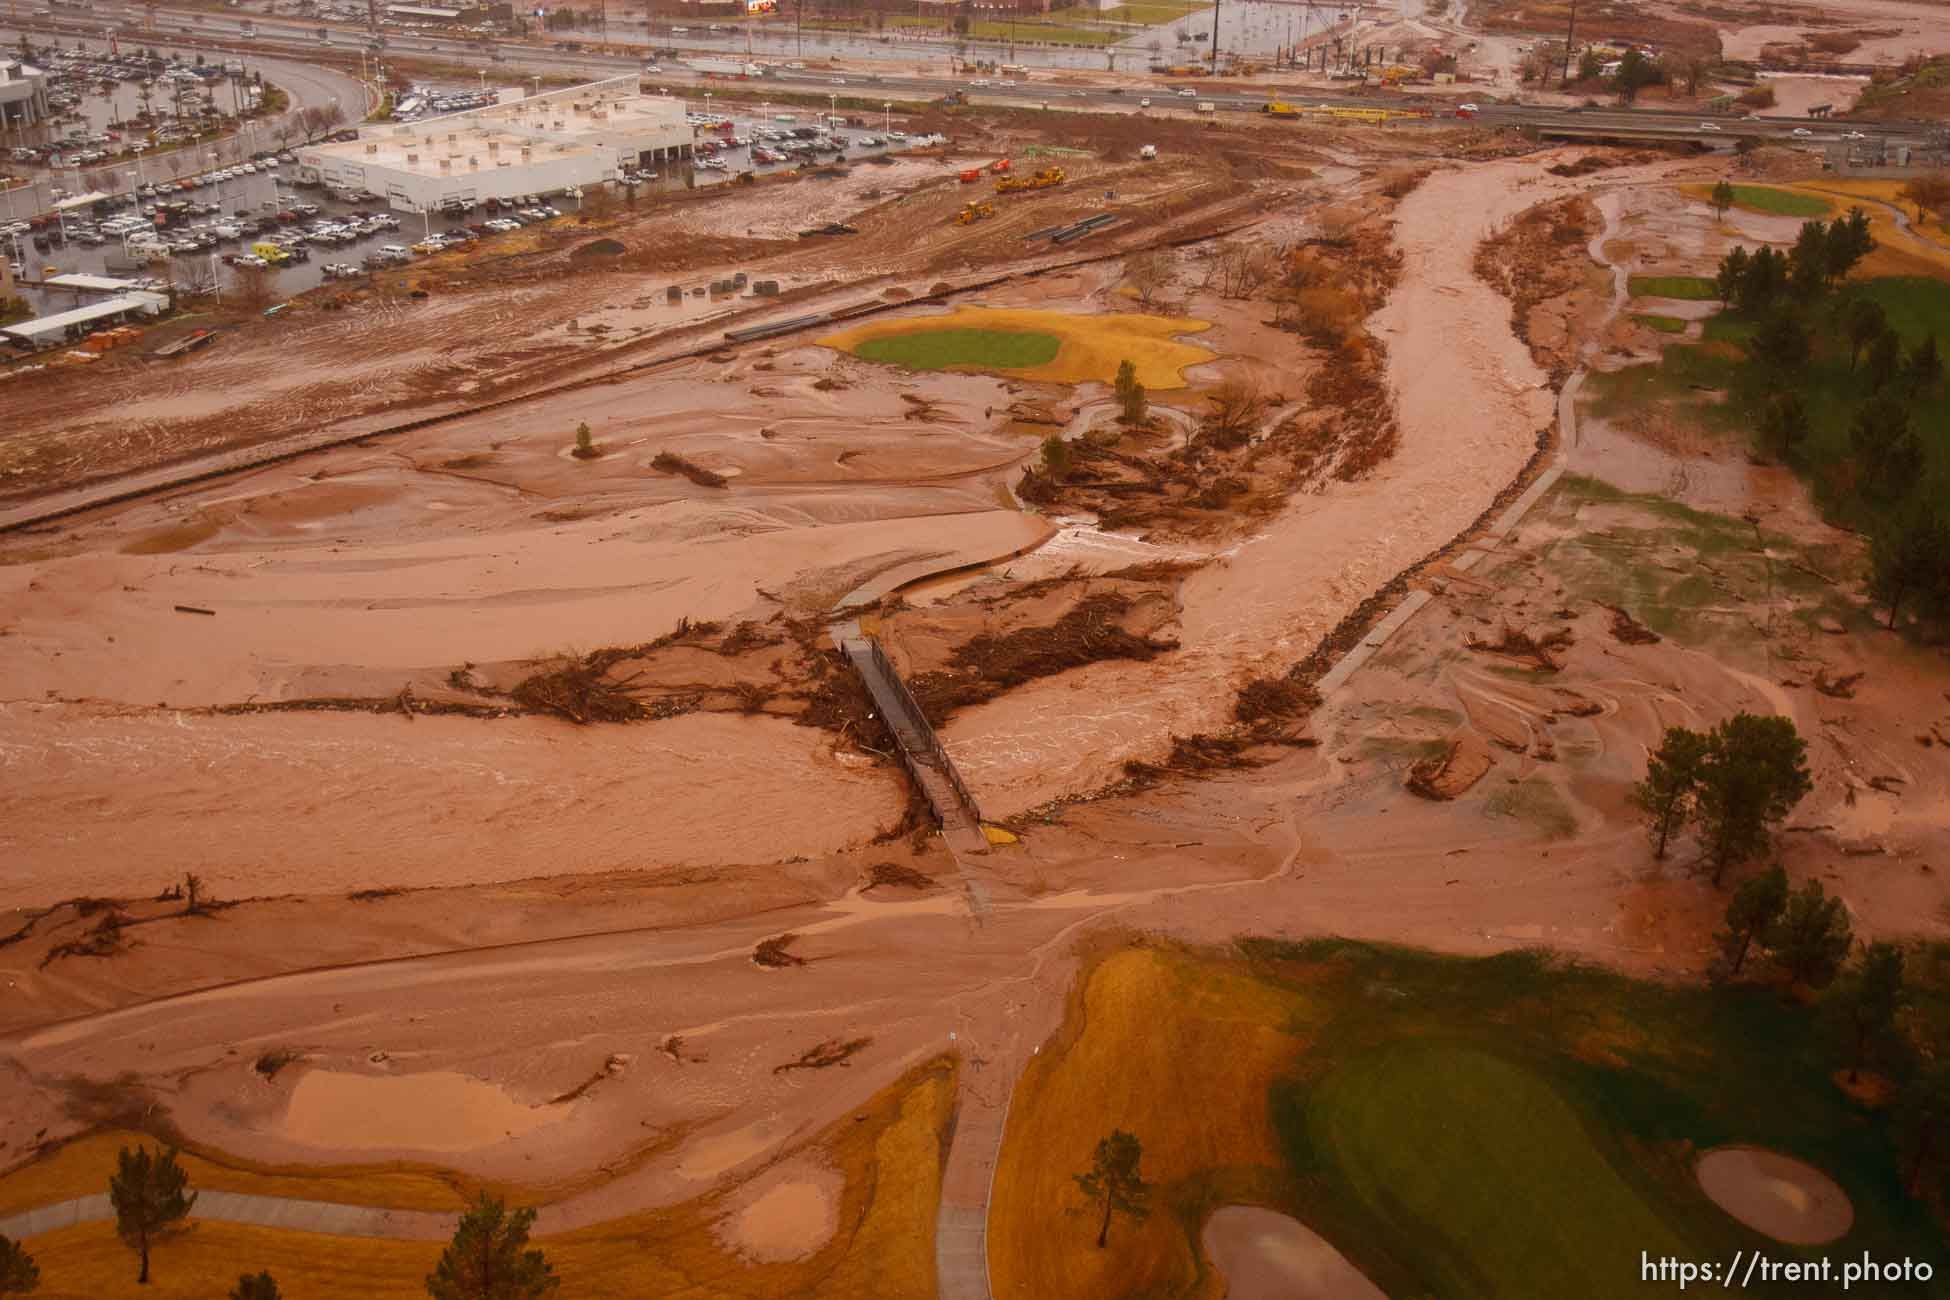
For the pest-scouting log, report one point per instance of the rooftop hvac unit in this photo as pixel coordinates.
(372, 148)
(452, 136)
(473, 161)
(412, 158)
(446, 164)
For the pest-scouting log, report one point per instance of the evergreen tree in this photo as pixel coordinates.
(1886, 450)
(1864, 322)
(149, 1193)
(1754, 907)
(1784, 423)
(1909, 558)
(1113, 1179)
(1754, 772)
(1848, 242)
(1130, 394)
(1922, 1124)
(1808, 261)
(19, 1274)
(1668, 794)
(1869, 996)
(1885, 360)
(1727, 281)
(1722, 200)
(1924, 370)
(261, 1286)
(1781, 345)
(489, 1258)
(1811, 939)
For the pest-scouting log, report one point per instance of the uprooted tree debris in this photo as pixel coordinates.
(103, 939)
(830, 1052)
(991, 664)
(775, 953)
(893, 875)
(1518, 644)
(1629, 630)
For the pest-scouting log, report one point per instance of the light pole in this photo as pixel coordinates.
(886, 118)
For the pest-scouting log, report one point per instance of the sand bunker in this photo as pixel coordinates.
(787, 1215)
(1782, 1197)
(1267, 1256)
(437, 1111)
(1091, 347)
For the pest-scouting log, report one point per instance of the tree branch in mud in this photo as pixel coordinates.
(829, 1053)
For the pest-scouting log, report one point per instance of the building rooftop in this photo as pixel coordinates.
(78, 280)
(456, 150)
(45, 326)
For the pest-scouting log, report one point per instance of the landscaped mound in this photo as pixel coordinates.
(1060, 347)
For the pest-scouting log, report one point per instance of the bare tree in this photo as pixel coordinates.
(1148, 274)
(255, 286)
(1236, 407)
(1239, 269)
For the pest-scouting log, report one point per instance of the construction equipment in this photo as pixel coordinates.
(998, 167)
(1042, 180)
(974, 212)
(1279, 108)
(971, 175)
(953, 101)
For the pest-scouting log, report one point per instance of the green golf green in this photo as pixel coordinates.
(1487, 1170)
(939, 349)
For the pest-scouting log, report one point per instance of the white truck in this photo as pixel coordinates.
(724, 68)
(1147, 152)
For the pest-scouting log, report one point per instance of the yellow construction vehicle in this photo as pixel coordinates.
(1042, 180)
(1279, 108)
(974, 212)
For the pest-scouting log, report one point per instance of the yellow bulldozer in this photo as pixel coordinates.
(1042, 180)
(974, 212)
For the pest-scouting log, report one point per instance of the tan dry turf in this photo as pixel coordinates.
(1090, 348)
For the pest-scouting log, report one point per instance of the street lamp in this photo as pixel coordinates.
(886, 118)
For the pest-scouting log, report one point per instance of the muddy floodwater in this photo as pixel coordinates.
(1268, 1256)
(435, 1111)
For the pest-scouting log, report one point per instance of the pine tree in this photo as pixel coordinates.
(1754, 907)
(1811, 939)
(1870, 995)
(1754, 772)
(149, 1193)
(19, 1274)
(1668, 794)
(489, 1258)
(1722, 200)
(261, 1286)
(1113, 1179)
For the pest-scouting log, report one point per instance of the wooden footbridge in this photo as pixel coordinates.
(934, 772)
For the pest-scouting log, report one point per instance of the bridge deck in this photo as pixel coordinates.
(934, 772)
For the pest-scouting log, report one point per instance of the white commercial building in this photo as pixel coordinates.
(23, 94)
(541, 144)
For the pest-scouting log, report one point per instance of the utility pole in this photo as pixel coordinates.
(1215, 37)
(1564, 78)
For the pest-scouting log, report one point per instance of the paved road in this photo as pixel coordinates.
(511, 57)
